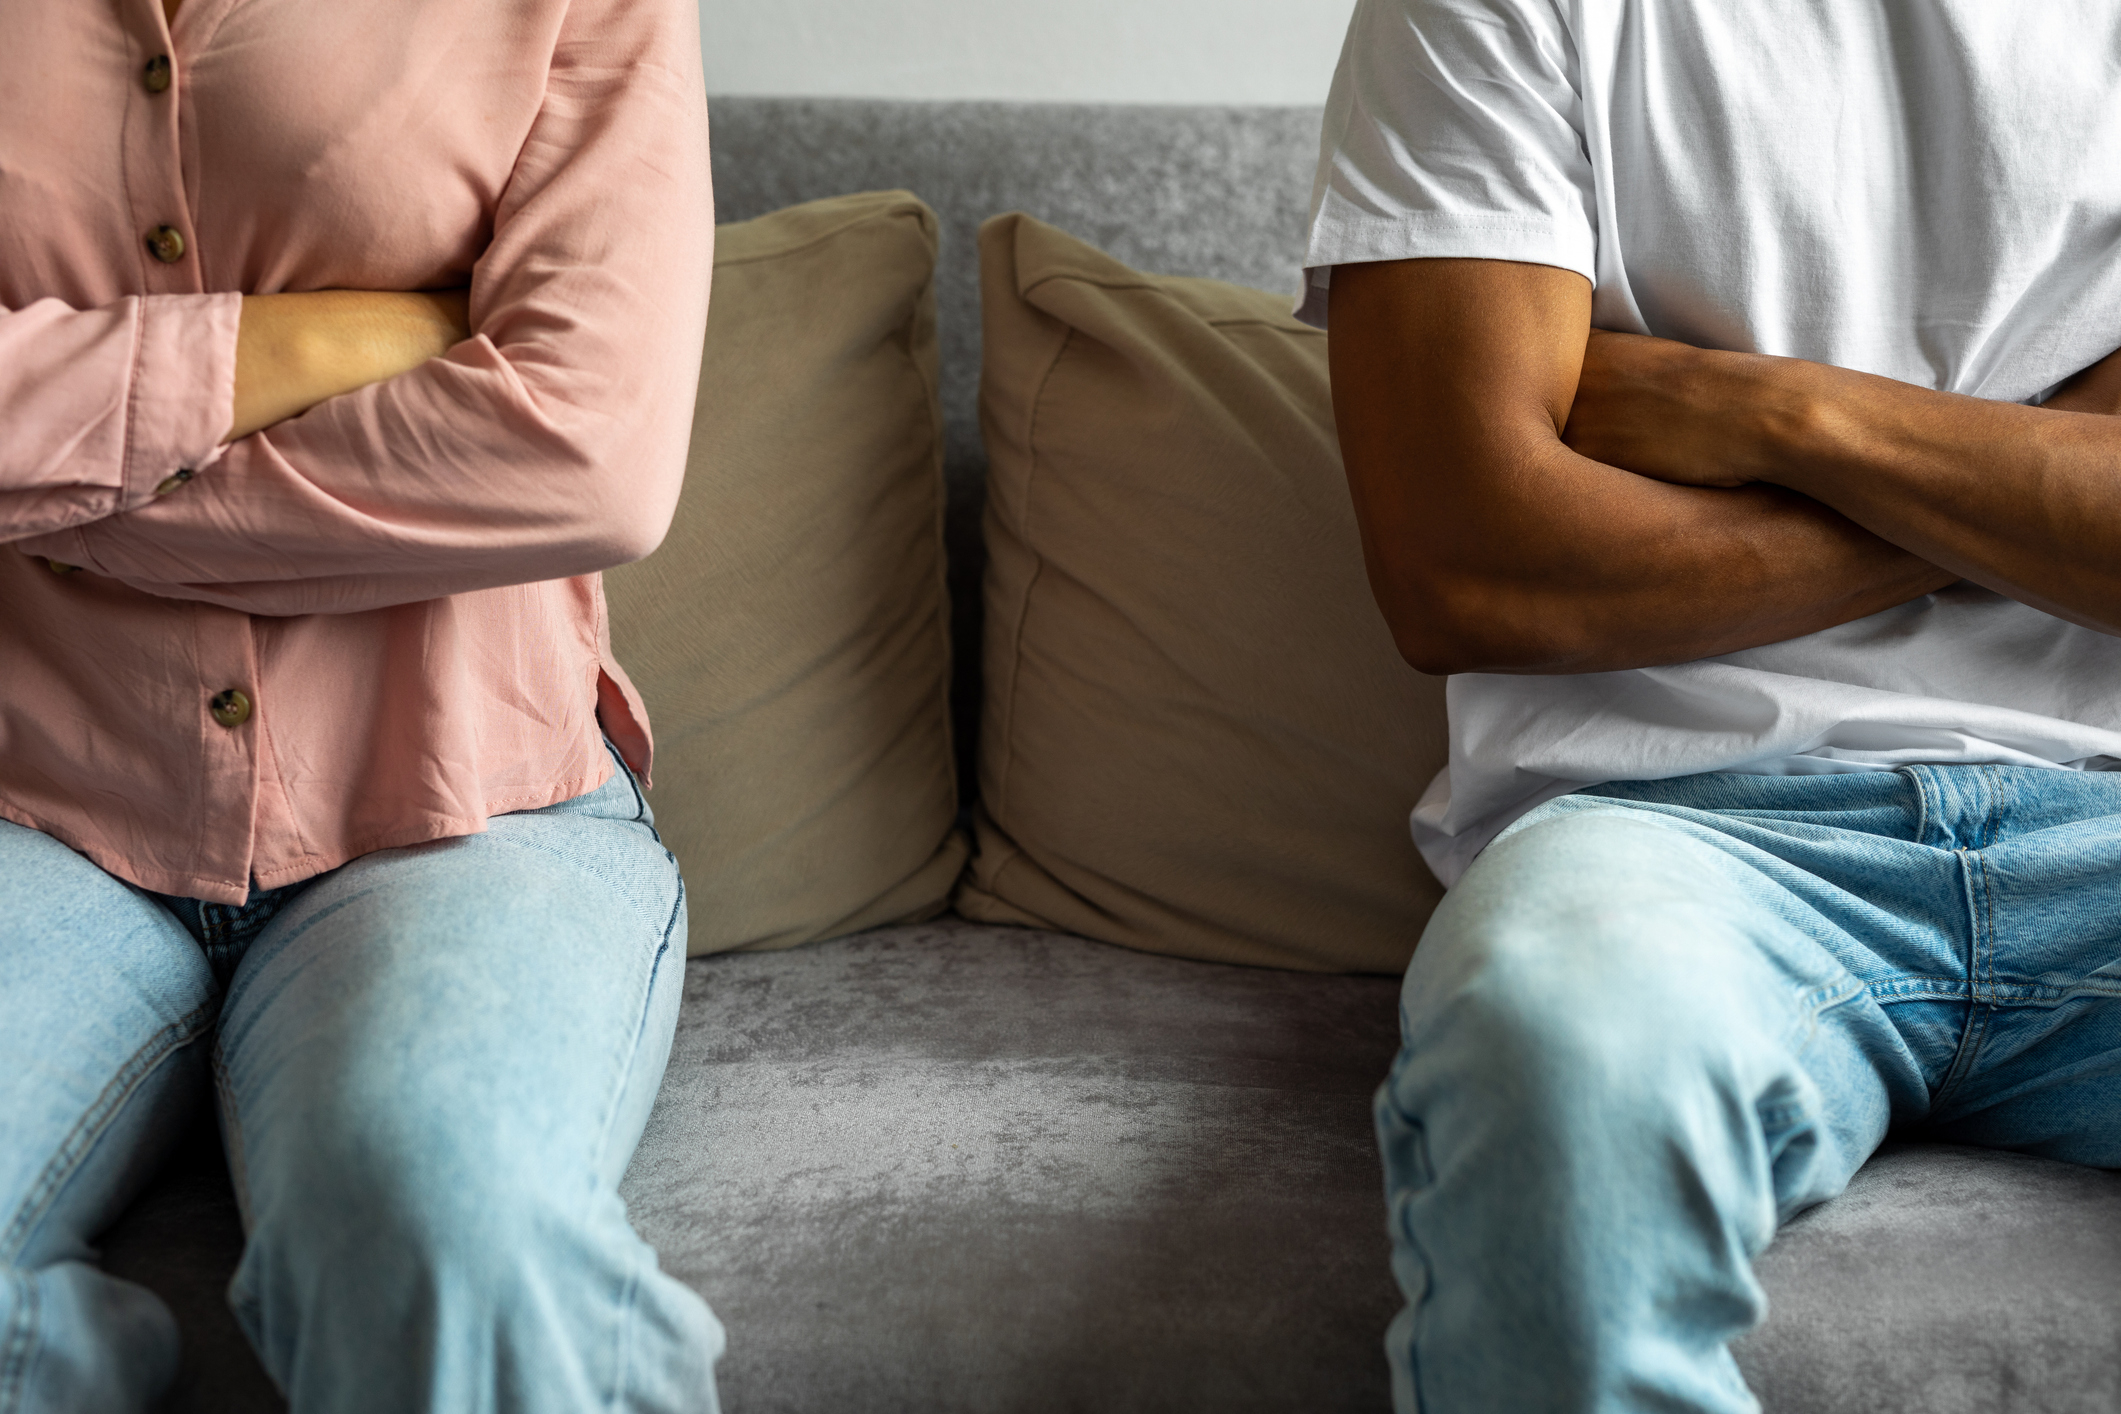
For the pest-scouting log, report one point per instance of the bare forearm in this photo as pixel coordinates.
(1587, 568)
(1494, 547)
(2026, 501)
(293, 351)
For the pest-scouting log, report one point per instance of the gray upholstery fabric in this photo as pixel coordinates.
(949, 1168)
(1220, 192)
(1947, 1281)
(946, 1168)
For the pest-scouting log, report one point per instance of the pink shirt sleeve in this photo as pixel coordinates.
(99, 406)
(551, 443)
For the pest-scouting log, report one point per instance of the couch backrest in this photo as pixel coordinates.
(1220, 192)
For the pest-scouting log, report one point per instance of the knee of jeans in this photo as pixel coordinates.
(415, 1201)
(1596, 953)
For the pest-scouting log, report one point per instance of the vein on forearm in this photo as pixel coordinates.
(2026, 501)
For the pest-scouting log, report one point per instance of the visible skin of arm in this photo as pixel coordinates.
(1495, 546)
(2023, 500)
(295, 350)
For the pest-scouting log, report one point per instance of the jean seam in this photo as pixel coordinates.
(633, 1051)
(1817, 1002)
(1921, 989)
(1977, 1033)
(1985, 986)
(640, 802)
(232, 1137)
(1415, 1363)
(1998, 796)
(20, 1340)
(622, 1373)
(1988, 925)
(1981, 939)
(622, 1377)
(1925, 815)
(1828, 995)
(88, 1129)
(2036, 994)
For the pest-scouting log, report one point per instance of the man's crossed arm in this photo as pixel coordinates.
(1535, 497)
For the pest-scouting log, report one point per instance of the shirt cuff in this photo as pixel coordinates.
(183, 397)
(1341, 235)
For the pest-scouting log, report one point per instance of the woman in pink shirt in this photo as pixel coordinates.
(318, 784)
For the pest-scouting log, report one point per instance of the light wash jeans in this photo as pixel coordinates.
(432, 1066)
(1654, 1021)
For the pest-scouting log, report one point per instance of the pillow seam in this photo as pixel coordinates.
(891, 212)
(939, 494)
(1038, 570)
(1154, 285)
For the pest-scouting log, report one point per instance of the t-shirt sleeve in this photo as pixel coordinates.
(1454, 129)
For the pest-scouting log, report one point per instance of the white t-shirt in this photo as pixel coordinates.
(1924, 189)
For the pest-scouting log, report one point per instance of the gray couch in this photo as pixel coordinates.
(946, 1167)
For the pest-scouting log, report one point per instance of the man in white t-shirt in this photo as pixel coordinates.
(1727, 395)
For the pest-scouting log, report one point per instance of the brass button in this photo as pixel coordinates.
(156, 74)
(61, 568)
(172, 481)
(230, 708)
(166, 244)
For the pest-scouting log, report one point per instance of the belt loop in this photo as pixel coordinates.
(1930, 822)
(1998, 782)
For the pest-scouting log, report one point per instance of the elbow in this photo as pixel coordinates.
(1437, 644)
(608, 473)
(618, 510)
(625, 534)
(1426, 649)
(1444, 624)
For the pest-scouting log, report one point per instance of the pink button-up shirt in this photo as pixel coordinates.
(402, 581)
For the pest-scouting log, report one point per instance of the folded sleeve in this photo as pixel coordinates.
(1454, 128)
(98, 407)
(551, 443)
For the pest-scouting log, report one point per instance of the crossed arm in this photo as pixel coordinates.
(293, 351)
(1538, 497)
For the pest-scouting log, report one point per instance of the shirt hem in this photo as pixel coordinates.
(182, 885)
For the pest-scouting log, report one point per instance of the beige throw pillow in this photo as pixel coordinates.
(1198, 737)
(791, 636)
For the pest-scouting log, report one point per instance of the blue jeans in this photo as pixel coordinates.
(432, 1066)
(1655, 1021)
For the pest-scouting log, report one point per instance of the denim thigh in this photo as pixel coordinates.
(1980, 905)
(434, 1064)
(105, 1011)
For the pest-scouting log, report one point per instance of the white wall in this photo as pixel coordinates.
(1115, 51)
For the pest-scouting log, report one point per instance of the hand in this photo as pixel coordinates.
(1693, 417)
(295, 350)
(2095, 389)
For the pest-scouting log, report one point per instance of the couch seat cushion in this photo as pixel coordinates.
(946, 1168)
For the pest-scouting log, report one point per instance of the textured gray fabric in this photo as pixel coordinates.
(1220, 192)
(950, 1168)
(1947, 1281)
(947, 1168)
